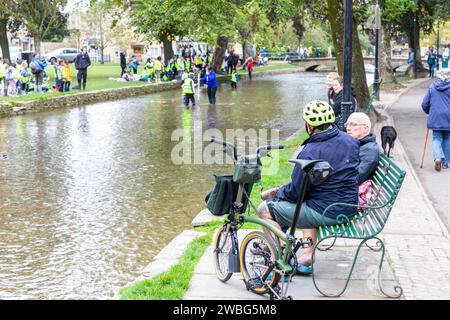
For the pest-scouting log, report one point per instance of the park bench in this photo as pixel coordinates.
(368, 223)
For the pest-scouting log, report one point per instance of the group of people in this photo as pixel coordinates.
(24, 78)
(15, 79)
(353, 155)
(432, 57)
(155, 70)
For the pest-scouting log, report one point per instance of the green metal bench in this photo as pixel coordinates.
(368, 223)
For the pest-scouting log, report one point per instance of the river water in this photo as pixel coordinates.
(89, 195)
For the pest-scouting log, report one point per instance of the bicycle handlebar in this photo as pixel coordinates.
(258, 150)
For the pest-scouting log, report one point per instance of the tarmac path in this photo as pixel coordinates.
(410, 123)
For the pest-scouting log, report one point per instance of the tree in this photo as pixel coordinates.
(38, 16)
(162, 20)
(57, 31)
(391, 13)
(100, 26)
(4, 18)
(249, 21)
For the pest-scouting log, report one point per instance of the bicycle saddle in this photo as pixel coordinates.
(317, 170)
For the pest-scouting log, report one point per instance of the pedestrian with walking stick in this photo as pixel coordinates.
(436, 104)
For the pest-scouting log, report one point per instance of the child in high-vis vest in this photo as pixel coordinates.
(24, 78)
(234, 79)
(188, 90)
(59, 76)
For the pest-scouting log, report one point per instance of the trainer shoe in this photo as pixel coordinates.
(445, 165)
(437, 165)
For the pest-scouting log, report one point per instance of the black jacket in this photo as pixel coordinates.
(337, 108)
(82, 61)
(123, 60)
(368, 157)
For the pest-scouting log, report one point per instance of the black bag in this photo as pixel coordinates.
(220, 200)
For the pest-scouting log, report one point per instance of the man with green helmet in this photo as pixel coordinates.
(326, 142)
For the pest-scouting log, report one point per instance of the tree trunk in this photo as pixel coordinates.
(168, 50)
(335, 12)
(37, 42)
(219, 52)
(386, 70)
(4, 39)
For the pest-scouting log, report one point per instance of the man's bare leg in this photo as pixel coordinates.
(264, 213)
(306, 256)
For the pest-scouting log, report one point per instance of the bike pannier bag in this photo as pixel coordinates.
(220, 199)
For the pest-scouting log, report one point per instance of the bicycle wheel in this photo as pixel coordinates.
(223, 246)
(257, 252)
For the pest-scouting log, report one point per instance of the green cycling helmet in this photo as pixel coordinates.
(317, 113)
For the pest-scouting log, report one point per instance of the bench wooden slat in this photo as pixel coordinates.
(386, 183)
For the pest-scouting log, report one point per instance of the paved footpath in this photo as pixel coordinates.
(417, 242)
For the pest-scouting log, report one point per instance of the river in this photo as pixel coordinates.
(89, 195)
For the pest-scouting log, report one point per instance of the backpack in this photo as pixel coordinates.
(35, 68)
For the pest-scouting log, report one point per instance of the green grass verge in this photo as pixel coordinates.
(172, 284)
(98, 75)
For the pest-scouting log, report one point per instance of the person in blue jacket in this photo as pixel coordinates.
(211, 82)
(341, 151)
(37, 68)
(436, 104)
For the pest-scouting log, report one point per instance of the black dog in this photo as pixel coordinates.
(388, 137)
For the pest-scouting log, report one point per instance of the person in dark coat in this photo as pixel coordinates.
(123, 62)
(341, 151)
(358, 126)
(82, 62)
(339, 98)
(436, 104)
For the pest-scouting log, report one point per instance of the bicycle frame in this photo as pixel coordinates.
(289, 239)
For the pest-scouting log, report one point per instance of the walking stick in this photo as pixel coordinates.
(424, 148)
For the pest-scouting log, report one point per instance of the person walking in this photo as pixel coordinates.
(123, 62)
(82, 62)
(445, 57)
(436, 104)
(211, 82)
(188, 90)
(250, 67)
(432, 60)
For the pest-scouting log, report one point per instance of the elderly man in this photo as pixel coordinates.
(358, 126)
(325, 142)
(436, 104)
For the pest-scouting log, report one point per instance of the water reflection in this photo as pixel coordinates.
(89, 195)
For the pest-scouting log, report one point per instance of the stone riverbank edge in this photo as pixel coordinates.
(8, 109)
(417, 242)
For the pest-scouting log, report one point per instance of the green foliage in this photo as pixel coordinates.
(170, 285)
(161, 20)
(316, 36)
(58, 29)
(38, 16)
